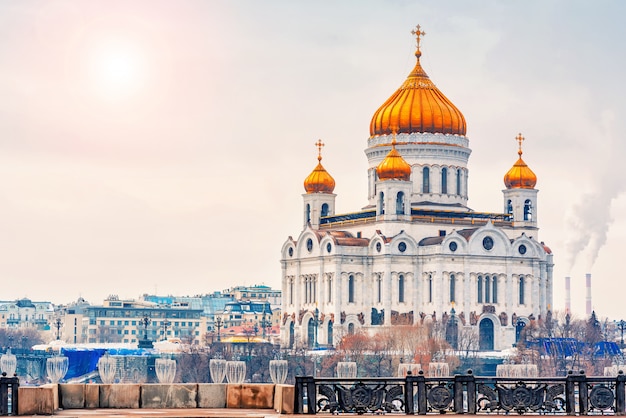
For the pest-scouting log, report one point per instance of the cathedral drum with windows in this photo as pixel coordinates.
(416, 251)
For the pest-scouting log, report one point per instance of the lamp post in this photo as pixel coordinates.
(452, 330)
(265, 323)
(166, 324)
(218, 325)
(621, 324)
(10, 338)
(58, 324)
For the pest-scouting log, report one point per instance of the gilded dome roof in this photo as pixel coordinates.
(418, 106)
(319, 181)
(520, 176)
(394, 167)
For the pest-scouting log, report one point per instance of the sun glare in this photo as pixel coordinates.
(116, 69)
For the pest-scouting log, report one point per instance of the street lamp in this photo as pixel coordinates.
(145, 321)
(452, 329)
(621, 324)
(58, 324)
(166, 324)
(218, 325)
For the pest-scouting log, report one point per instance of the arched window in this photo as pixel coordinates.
(311, 333)
(494, 290)
(521, 290)
(444, 181)
(379, 282)
(381, 199)
(350, 328)
(325, 209)
(400, 203)
(401, 288)
(458, 182)
(308, 213)
(291, 334)
(291, 291)
(528, 210)
(351, 289)
(330, 289)
(480, 289)
(452, 288)
(425, 180)
(487, 290)
(430, 288)
(509, 207)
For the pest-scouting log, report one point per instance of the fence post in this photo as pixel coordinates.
(409, 384)
(570, 394)
(311, 395)
(464, 383)
(7, 383)
(422, 405)
(620, 394)
(583, 394)
(298, 406)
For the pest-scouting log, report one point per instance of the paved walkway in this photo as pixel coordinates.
(213, 413)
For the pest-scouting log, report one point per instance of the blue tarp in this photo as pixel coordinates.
(84, 361)
(567, 347)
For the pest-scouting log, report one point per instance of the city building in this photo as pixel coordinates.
(128, 321)
(24, 313)
(415, 251)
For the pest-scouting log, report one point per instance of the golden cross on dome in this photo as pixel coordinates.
(519, 138)
(418, 32)
(319, 144)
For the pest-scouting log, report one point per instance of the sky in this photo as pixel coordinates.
(160, 147)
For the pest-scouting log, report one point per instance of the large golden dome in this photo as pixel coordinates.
(319, 181)
(520, 176)
(418, 106)
(394, 167)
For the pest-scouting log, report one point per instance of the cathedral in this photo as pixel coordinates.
(416, 252)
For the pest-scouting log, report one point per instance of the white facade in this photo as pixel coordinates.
(415, 251)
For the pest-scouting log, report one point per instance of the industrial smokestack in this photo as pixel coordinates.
(588, 299)
(568, 296)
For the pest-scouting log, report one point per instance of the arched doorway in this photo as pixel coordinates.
(485, 332)
(310, 333)
(291, 334)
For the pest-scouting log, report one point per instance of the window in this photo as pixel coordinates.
(379, 282)
(308, 213)
(480, 289)
(528, 210)
(330, 289)
(400, 203)
(452, 288)
(291, 291)
(521, 290)
(425, 180)
(487, 289)
(444, 181)
(494, 289)
(509, 207)
(430, 288)
(350, 328)
(458, 182)
(351, 289)
(401, 288)
(381, 199)
(325, 209)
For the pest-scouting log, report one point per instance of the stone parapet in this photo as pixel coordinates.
(284, 396)
(119, 396)
(250, 396)
(39, 400)
(212, 395)
(171, 396)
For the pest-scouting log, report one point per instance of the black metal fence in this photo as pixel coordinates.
(8, 394)
(575, 394)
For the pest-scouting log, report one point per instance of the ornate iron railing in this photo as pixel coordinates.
(574, 394)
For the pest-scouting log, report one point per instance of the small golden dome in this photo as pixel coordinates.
(520, 176)
(394, 167)
(319, 181)
(418, 106)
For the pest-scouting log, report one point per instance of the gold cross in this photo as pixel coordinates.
(319, 144)
(418, 32)
(519, 138)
